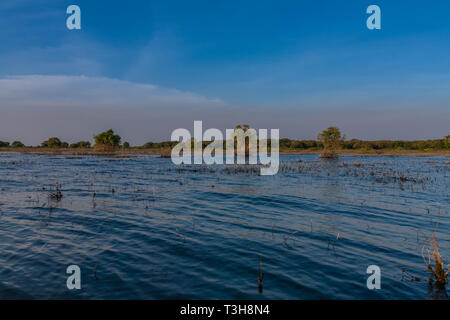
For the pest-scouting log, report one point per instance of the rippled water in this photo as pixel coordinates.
(142, 228)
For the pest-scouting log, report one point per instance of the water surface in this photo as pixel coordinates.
(142, 228)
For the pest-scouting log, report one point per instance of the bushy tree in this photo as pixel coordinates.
(241, 131)
(52, 143)
(244, 127)
(126, 145)
(4, 144)
(17, 144)
(107, 139)
(332, 140)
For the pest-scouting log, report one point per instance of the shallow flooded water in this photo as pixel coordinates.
(143, 228)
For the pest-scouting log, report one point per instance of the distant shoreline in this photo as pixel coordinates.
(166, 152)
(386, 153)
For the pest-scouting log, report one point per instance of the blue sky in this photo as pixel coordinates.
(299, 66)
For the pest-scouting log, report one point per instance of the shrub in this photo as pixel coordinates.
(4, 144)
(52, 143)
(81, 144)
(17, 144)
(107, 139)
(125, 145)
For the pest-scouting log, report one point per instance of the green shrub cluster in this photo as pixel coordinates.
(17, 144)
(54, 143)
(80, 144)
(108, 139)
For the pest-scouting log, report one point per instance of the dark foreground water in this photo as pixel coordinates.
(142, 228)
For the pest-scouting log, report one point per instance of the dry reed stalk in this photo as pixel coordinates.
(438, 272)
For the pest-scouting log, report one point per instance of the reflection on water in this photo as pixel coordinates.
(143, 228)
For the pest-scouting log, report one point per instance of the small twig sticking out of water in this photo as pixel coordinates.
(261, 276)
(181, 235)
(94, 205)
(333, 244)
(57, 195)
(95, 270)
(413, 277)
(153, 193)
(288, 237)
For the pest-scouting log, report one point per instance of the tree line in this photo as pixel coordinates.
(328, 141)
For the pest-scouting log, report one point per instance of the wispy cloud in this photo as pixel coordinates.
(35, 107)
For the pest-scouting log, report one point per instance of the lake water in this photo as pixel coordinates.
(142, 228)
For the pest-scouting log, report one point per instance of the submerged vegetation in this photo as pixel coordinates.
(438, 273)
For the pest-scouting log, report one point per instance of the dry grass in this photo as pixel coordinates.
(165, 153)
(438, 271)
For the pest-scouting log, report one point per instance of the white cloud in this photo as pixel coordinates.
(36, 107)
(73, 108)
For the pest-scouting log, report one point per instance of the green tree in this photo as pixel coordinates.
(244, 127)
(126, 145)
(17, 144)
(242, 132)
(332, 140)
(52, 143)
(4, 144)
(107, 139)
